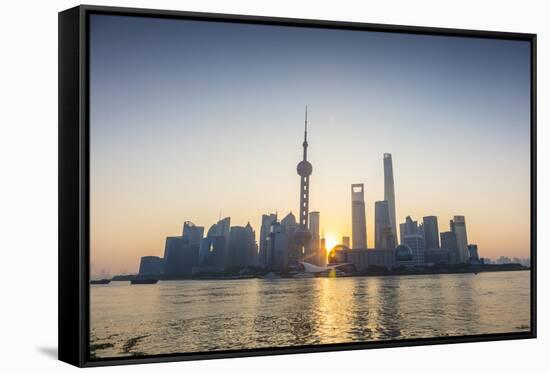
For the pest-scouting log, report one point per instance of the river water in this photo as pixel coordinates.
(207, 315)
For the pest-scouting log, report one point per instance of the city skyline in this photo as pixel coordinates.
(146, 183)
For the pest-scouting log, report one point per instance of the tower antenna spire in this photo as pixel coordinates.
(306, 120)
(304, 144)
(305, 128)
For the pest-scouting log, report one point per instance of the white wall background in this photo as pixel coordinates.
(28, 183)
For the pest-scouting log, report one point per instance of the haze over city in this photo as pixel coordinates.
(189, 122)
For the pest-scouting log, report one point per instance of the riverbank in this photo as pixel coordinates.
(371, 272)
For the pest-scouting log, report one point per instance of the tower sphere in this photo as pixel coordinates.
(403, 253)
(304, 168)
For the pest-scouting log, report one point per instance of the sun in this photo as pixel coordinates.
(331, 240)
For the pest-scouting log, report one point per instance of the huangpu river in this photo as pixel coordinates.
(209, 315)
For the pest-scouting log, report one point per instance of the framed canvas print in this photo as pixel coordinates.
(238, 186)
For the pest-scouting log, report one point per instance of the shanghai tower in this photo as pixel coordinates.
(389, 192)
(304, 169)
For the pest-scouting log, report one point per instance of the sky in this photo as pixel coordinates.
(190, 120)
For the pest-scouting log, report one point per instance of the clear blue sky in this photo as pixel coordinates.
(190, 118)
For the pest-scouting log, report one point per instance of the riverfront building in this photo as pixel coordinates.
(150, 266)
(416, 243)
(265, 228)
(346, 241)
(458, 226)
(241, 248)
(193, 233)
(313, 249)
(449, 243)
(431, 232)
(389, 192)
(409, 227)
(277, 247)
(437, 256)
(213, 247)
(388, 240)
(180, 256)
(358, 219)
(323, 252)
(382, 225)
(290, 227)
(363, 259)
(474, 255)
(212, 254)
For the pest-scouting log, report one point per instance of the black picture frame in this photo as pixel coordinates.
(74, 203)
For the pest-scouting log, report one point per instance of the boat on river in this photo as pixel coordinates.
(100, 282)
(143, 281)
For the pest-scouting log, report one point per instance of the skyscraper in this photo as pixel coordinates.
(449, 243)
(389, 192)
(358, 219)
(313, 248)
(381, 222)
(267, 220)
(277, 247)
(222, 227)
(150, 266)
(241, 247)
(388, 240)
(181, 254)
(302, 235)
(252, 252)
(212, 253)
(458, 226)
(346, 241)
(323, 251)
(474, 256)
(289, 221)
(416, 243)
(407, 228)
(193, 233)
(213, 246)
(431, 232)
(290, 228)
(173, 257)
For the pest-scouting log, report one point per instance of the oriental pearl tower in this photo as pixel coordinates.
(304, 169)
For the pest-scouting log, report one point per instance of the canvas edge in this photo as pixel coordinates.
(73, 202)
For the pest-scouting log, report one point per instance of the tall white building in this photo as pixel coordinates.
(389, 192)
(458, 226)
(358, 218)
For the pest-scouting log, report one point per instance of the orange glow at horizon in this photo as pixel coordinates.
(331, 240)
